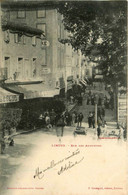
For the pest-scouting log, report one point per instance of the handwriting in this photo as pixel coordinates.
(40, 173)
(68, 166)
(73, 154)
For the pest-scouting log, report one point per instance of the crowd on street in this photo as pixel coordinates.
(57, 120)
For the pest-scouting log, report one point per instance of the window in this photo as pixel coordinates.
(19, 38)
(43, 61)
(42, 27)
(21, 14)
(20, 68)
(34, 40)
(41, 13)
(34, 70)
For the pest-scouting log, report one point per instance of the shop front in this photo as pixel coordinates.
(9, 116)
(36, 99)
(7, 97)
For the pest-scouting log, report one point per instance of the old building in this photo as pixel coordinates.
(35, 65)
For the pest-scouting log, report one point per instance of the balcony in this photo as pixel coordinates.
(19, 79)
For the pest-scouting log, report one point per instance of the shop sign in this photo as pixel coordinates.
(45, 71)
(122, 109)
(45, 43)
(37, 94)
(9, 99)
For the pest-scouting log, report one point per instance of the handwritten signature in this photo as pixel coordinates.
(69, 165)
(40, 173)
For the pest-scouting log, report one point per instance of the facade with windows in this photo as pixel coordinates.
(26, 56)
(31, 47)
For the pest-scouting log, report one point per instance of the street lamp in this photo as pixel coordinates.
(96, 103)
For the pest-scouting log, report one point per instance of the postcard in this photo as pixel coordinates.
(63, 97)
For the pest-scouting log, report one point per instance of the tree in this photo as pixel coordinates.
(99, 30)
(9, 118)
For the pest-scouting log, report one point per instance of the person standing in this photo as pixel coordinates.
(66, 115)
(88, 100)
(103, 114)
(90, 119)
(98, 131)
(47, 121)
(59, 122)
(92, 99)
(93, 120)
(52, 117)
(105, 129)
(73, 118)
(80, 118)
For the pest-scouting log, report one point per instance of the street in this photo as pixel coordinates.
(39, 148)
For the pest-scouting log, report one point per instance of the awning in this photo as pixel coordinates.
(98, 77)
(34, 90)
(20, 27)
(69, 78)
(86, 79)
(83, 82)
(80, 84)
(69, 85)
(7, 97)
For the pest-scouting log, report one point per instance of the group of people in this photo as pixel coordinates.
(59, 120)
(100, 100)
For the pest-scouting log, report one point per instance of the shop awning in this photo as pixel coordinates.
(83, 82)
(80, 84)
(34, 90)
(69, 78)
(69, 85)
(86, 79)
(20, 27)
(8, 97)
(98, 77)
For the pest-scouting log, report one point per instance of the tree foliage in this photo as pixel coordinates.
(99, 30)
(9, 118)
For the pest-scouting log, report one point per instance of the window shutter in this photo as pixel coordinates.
(6, 36)
(34, 41)
(16, 38)
(24, 39)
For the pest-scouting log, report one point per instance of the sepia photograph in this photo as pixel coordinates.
(63, 97)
